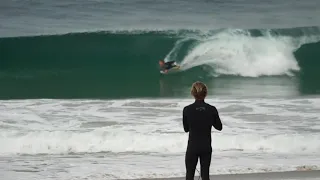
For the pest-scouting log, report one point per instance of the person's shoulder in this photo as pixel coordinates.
(187, 106)
(211, 106)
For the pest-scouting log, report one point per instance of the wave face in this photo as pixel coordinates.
(122, 64)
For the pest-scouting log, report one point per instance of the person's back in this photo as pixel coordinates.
(198, 119)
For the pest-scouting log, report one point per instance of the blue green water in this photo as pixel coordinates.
(81, 96)
(123, 64)
(66, 49)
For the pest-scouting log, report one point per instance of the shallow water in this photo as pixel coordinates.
(66, 139)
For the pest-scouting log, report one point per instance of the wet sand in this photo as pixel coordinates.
(290, 175)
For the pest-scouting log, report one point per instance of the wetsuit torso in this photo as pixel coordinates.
(198, 119)
(168, 65)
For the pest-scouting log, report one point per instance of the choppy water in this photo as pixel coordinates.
(63, 139)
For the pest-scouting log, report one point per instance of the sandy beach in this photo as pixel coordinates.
(289, 175)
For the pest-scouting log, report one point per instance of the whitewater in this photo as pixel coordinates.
(68, 113)
(238, 52)
(269, 124)
(144, 138)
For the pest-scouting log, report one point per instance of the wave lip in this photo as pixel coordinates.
(240, 53)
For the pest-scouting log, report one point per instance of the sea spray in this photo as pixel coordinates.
(238, 53)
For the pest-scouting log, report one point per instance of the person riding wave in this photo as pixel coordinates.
(165, 66)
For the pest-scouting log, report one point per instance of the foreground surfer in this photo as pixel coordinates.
(165, 66)
(198, 119)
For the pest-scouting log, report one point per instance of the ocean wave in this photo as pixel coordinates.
(113, 140)
(94, 58)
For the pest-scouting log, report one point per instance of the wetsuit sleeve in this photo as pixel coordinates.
(216, 120)
(184, 119)
(170, 63)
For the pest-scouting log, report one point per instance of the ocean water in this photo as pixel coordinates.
(81, 96)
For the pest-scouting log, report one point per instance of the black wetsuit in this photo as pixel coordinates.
(168, 65)
(198, 119)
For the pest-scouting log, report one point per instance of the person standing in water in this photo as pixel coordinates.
(198, 119)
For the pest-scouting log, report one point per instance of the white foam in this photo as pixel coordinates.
(62, 142)
(59, 126)
(259, 135)
(122, 139)
(236, 52)
(125, 166)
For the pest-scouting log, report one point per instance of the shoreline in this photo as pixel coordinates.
(281, 175)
